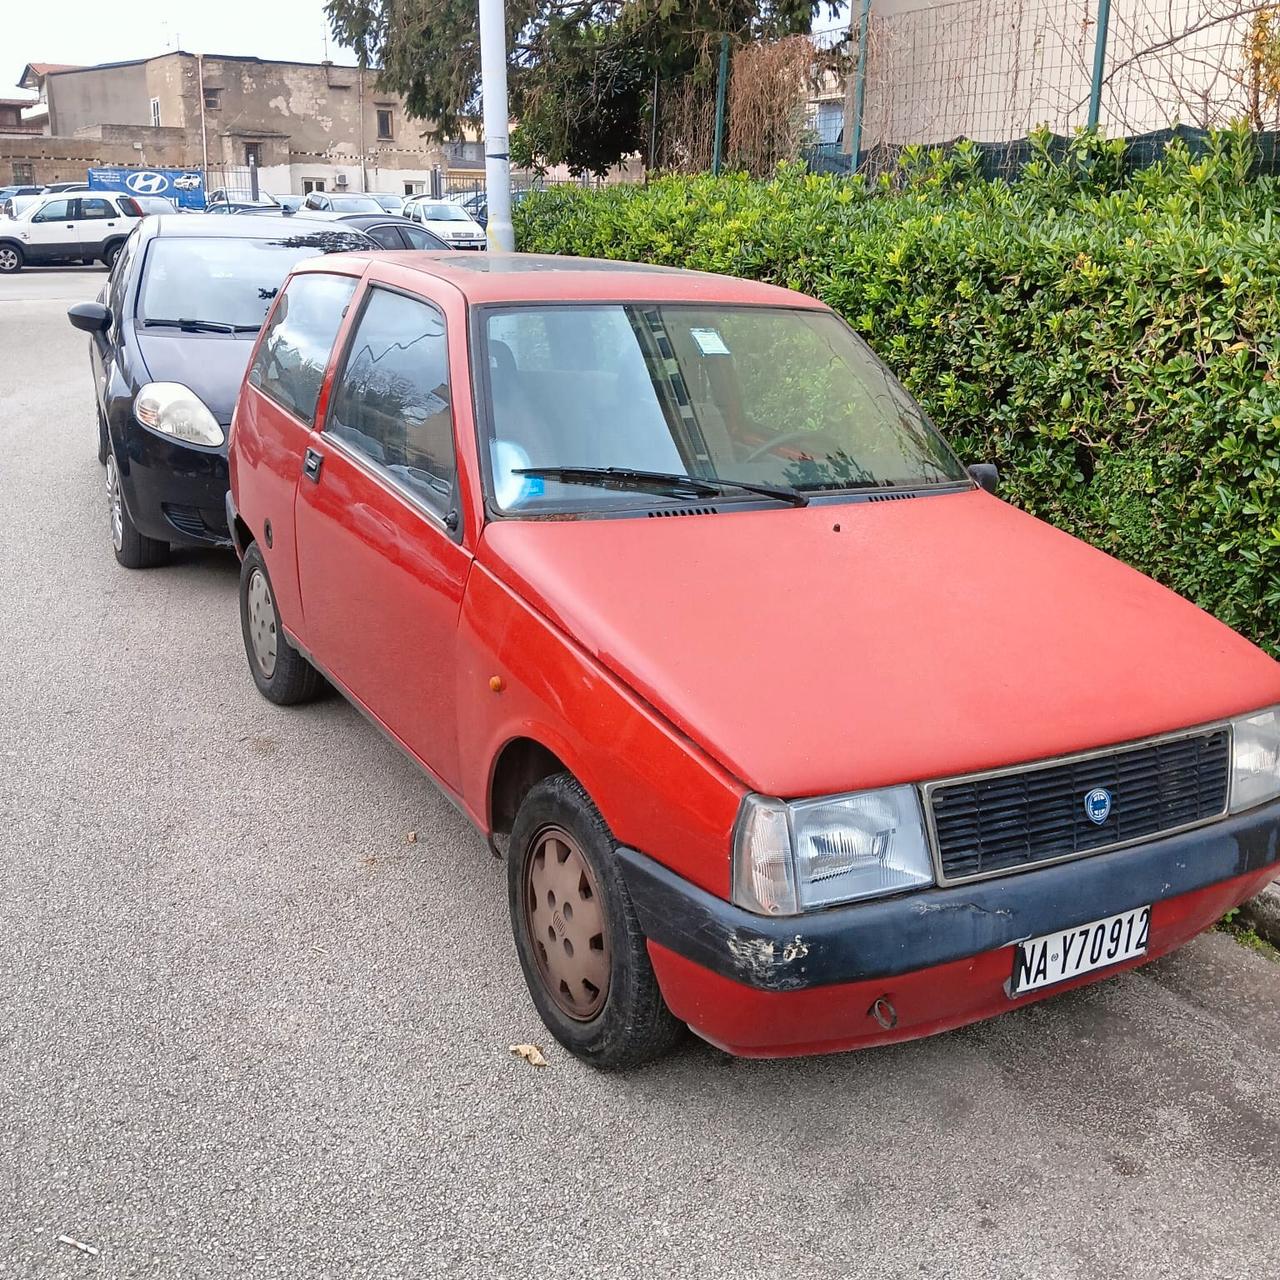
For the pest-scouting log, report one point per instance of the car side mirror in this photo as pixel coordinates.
(986, 474)
(92, 317)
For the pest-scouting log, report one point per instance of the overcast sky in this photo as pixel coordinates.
(88, 31)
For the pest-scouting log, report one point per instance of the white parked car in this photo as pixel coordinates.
(449, 221)
(65, 227)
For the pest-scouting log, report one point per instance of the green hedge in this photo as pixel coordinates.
(1111, 341)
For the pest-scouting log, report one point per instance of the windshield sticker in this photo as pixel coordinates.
(709, 341)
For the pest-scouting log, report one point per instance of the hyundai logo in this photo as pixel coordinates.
(146, 184)
(1097, 805)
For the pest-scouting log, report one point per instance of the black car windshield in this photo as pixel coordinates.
(228, 281)
(759, 395)
(355, 204)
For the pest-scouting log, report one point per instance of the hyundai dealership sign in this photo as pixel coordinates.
(185, 187)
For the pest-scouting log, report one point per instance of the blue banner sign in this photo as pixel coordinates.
(184, 187)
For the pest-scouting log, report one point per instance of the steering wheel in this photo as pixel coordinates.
(790, 437)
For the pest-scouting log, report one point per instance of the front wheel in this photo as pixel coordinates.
(133, 549)
(580, 945)
(10, 259)
(282, 674)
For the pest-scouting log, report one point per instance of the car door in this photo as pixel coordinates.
(96, 220)
(381, 567)
(50, 234)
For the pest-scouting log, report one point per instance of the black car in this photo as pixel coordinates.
(171, 335)
(390, 230)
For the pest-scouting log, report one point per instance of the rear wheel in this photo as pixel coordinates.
(10, 258)
(110, 254)
(580, 945)
(282, 674)
(134, 550)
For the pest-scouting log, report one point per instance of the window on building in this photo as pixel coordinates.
(155, 113)
(213, 99)
(391, 403)
(312, 184)
(294, 351)
(24, 174)
(415, 188)
(385, 118)
(253, 154)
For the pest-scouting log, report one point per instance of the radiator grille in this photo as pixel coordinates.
(988, 825)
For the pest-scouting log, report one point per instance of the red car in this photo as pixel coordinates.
(788, 729)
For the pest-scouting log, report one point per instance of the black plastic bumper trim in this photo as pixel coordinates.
(892, 936)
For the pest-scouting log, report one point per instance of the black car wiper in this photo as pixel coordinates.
(663, 482)
(201, 326)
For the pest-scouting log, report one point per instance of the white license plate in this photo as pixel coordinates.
(1041, 962)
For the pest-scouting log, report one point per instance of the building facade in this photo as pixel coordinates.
(302, 126)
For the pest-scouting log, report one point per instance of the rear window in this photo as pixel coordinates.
(227, 282)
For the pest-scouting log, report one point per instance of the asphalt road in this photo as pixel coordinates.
(248, 1030)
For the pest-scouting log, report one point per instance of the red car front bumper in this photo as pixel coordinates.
(845, 978)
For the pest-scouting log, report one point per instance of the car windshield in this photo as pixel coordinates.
(756, 395)
(444, 213)
(244, 195)
(227, 282)
(356, 204)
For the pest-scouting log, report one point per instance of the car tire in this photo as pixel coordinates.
(584, 956)
(10, 259)
(282, 674)
(134, 550)
(104, 443)
(111, 253)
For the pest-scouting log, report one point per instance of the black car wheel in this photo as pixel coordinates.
(580, 945)
(10, 258)
(110, 254)
(133, 550)
(282, 674)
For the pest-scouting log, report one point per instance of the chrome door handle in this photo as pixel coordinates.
(312, 461)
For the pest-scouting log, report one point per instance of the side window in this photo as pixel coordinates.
(420, 239)
(391, 402)
(120, 274)
(385, 237)
(292, 356)
(54, 211)
(95, 208)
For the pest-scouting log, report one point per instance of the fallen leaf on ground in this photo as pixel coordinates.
(411, 838)
(530, 1053)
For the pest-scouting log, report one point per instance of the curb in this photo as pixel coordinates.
(1262, 914)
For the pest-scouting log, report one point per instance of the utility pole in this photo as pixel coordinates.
(497, 158)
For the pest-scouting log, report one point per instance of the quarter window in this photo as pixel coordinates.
(290, 363)
(391, 403)
(387, 237)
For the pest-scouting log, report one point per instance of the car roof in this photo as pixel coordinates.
(244, 226)
(531, 277)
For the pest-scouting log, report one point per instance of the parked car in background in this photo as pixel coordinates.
(389, 231)
(786, 727)
(477, 204)
(289, 203)
(448, 220)
(67, 228)
(55, 188)
(340, 202)
(389, 201)
(240, 196)
(170, 337)
(14, 205)
(155, 204)
(228, 207)
(11, 192)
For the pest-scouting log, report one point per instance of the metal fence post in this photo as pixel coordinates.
(859, 87)
(722, 88)
(1099, 62)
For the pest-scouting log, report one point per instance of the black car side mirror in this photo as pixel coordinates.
(986, 474)
(92, 317)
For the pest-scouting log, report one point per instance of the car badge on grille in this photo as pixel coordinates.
(1097, 805)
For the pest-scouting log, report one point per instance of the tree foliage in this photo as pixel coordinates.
(581, 71)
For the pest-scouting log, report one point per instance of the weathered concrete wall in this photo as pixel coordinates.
(68, 159)
(106, 95)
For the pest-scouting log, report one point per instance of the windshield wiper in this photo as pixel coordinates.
(668, 483)
(201, 326)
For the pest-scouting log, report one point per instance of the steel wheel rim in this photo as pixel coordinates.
(564, 916)
(262, 623)
(115, 504)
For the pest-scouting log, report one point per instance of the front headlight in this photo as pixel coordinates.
(1255, 759)
(175, 410)
(796, 857)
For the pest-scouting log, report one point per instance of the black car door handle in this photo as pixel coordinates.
(312, 461)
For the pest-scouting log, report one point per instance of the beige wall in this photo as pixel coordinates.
(109, 95)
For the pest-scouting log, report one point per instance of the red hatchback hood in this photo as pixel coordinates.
(837, 647)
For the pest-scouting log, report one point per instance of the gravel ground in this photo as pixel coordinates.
(248, 1030)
